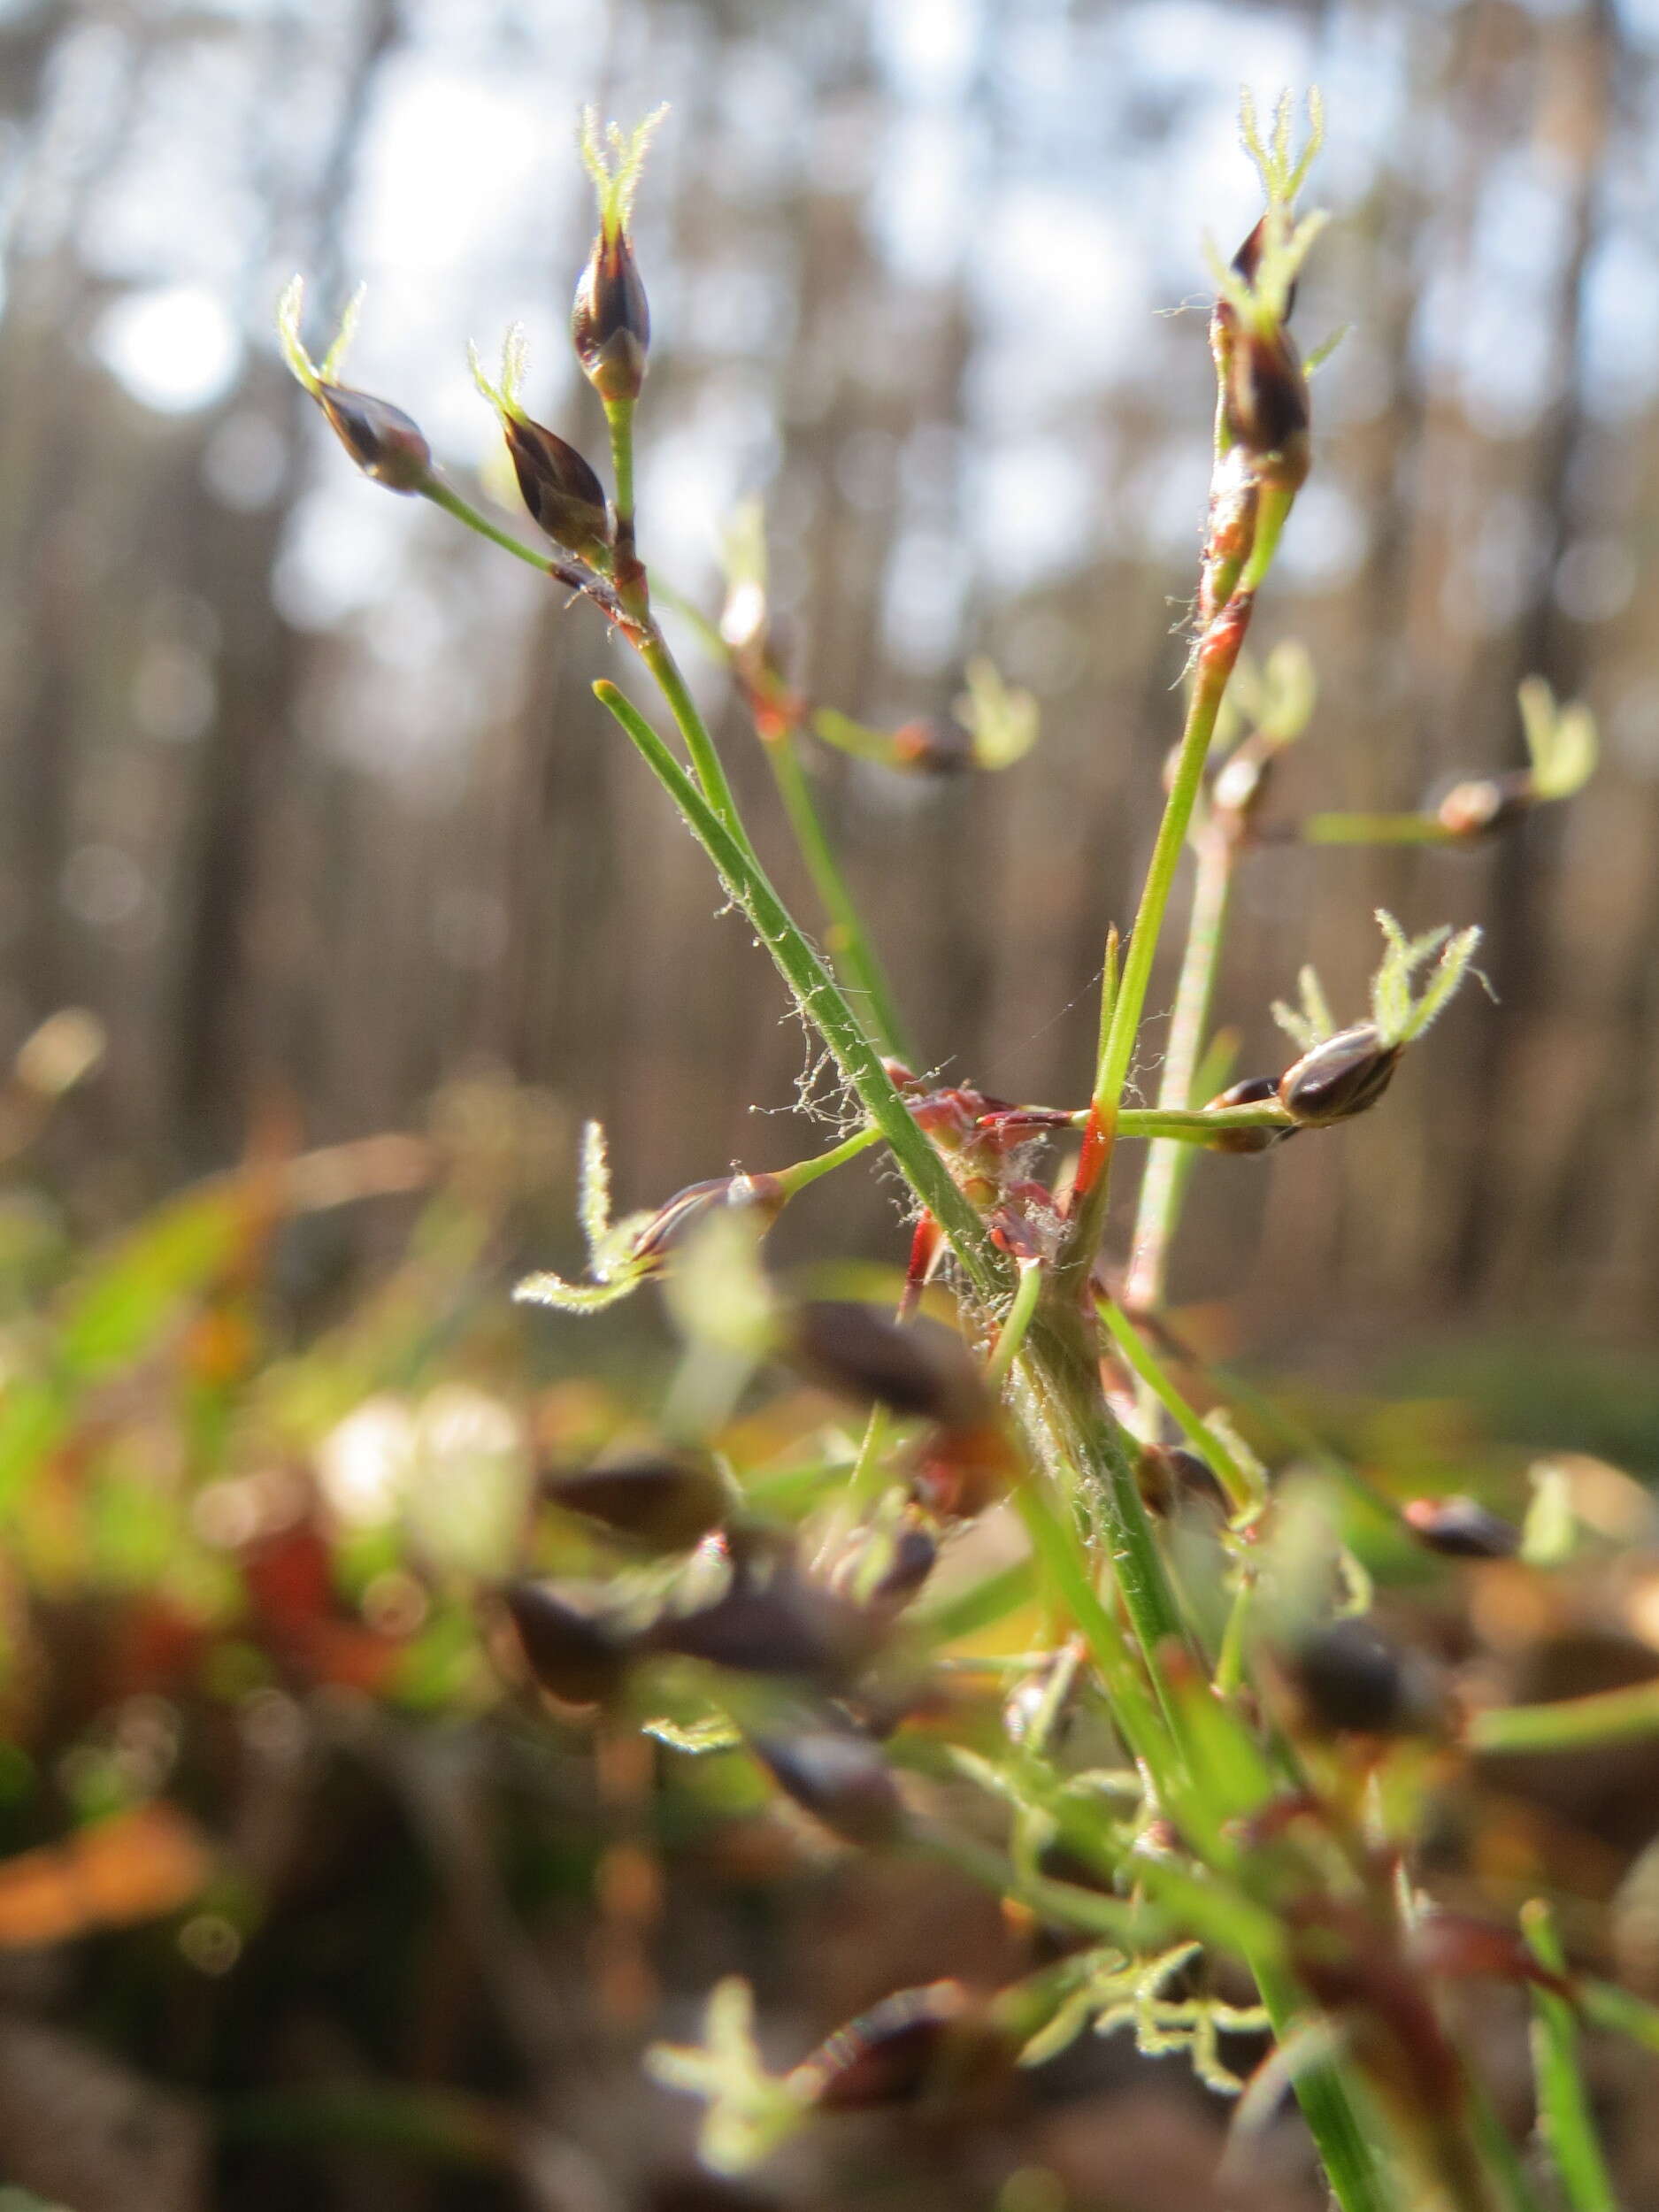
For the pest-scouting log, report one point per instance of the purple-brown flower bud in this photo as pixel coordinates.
(610, 320)
(1267, 404)
(570, 1649)
(771, 1619)
(1172, 1480)
(1459, 1528)
(1353, 1678)
(1339, 1078)
(1254, 1090)
(384, 442)
(838, 1776)
(916, 1368)
(664, 1504)
(566, 499)
(681, 1213)
(884, 1568)
(909, 2045)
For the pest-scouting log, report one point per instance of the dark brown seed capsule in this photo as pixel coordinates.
(917, 1367)
(610, 320)
(671, 1220)
(1254, 1090)
(837, 1776)
(574, 1654)
(933, 748)
(384, 442)
(656, 1505)
(1339, 1078)
(1485, 804)
(1171, 1479)
(1459, 1528)
(1354, 1679)
(566, 499)
(771, 1620)
(892, 2054)
(885, 1567)
(1267, 404)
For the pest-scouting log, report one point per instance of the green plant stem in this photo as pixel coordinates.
(850, 949)
(806, 1172)
(620, 423)
(1217, 657)
(1213, 664)
(1191, 1126)
(1058, 1369)
(706, 764)
(1570, 1724)
(815, 991)
(1564, 2117)
(1150, 1371)
(1016, 1321)
(1162, 1183)
(1343, 2140)
(444, 495)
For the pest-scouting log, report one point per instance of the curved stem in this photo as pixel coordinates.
(445, 495)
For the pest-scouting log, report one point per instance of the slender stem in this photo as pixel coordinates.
(445, 495)
(1188, 1127)
(1241, 1492)
(705, 760)
(1059, 1369)
(1230, 1658)
(1346, 2144)
(1016, 1321)
(1216, 656)
(1564, 2117)
(815, 991)
(804, 1171)
(619, 422)
(1570, 1724)
(851, 948)
(1161, 1185)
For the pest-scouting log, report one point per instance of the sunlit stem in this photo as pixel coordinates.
(1190, 1125)
(805, 1172)
(1217, 657)
(1158, 1212)
(706, 764)
(1150, 1370)
(1011, 1335)
(445, 495)
(849, 942)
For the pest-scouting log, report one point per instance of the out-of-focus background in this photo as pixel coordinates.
(305, 800)
(302, 789)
